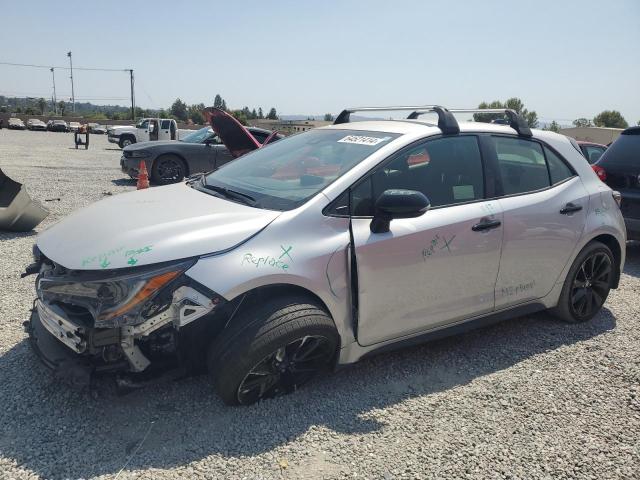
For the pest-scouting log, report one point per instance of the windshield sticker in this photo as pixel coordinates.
(362, 140)
(281, 262)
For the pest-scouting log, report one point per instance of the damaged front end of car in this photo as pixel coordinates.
(126, 321)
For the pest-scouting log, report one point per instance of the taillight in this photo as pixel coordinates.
(600, 172)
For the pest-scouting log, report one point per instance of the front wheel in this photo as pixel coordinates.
(125, 142)
(272, 350)
(587, 284)
(168, 169)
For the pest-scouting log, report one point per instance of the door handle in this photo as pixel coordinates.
(570, 208)
(487, 225)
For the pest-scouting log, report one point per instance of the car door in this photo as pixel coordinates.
(544, 204)
(165, 130)
(436, 269)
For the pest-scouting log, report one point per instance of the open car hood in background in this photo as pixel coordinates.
(18, 212)
(233, 134)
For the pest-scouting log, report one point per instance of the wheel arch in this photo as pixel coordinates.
(611, 242)
(174, 154)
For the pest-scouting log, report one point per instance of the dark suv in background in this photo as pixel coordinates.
(619, 167)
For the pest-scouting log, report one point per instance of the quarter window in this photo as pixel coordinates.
(558, 170)
(446, 170)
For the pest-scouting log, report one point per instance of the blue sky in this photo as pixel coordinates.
(564, 59)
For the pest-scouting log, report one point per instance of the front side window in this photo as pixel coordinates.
(447, 170)
(285, 174)
(142, 124)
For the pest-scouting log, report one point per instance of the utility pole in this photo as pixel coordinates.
(55, 105)
(133, 98)
(73, 97)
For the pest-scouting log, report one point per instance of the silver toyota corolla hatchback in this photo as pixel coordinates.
(324, 247)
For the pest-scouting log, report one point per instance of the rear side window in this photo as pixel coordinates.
(624, 151)
(521, 164)
(166, 124)
(525, 167)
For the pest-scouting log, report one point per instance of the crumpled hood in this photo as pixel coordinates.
(150, 226)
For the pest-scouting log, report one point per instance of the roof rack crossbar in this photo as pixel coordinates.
(516, 121)
(446, 121)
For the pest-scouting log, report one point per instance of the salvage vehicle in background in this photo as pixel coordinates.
(591, 151)
(619, 167)
(35, 124)
(16, 124)
(146, 130)
(326, 247)
(96, 129)
(170, 161)
(74, 127)
(57, 126)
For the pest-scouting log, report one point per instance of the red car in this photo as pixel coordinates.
(592, 151)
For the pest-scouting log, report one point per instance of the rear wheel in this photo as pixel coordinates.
(272, 350)
(587, 284)
(168, 169)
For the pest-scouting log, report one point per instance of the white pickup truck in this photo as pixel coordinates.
(147, 129)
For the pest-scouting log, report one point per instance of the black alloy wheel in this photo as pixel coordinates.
(287, 368)
(591, 285)
(168, 169)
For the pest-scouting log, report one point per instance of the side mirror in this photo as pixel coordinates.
(210, 141)
(397, 204)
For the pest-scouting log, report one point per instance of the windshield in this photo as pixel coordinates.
(199, 136)
(285, 174)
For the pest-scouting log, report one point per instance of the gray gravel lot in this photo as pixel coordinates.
(529, 398)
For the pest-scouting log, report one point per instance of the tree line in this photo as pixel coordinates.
(181, 111)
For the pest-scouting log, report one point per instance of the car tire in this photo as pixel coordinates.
(126, 141)
(271, 350)
(587, 284)
(168, 169)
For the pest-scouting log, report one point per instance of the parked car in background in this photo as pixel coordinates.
(326, 247)
(74, 126)
(16, 124)
(96, 129)
(57, 126)
(35, 124)
(146, 130)
(619, 167)
(170, 161)
(592, 151)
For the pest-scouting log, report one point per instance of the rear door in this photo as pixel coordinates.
(544, 205)
(439, 268)
(621, 163)
(165, 130)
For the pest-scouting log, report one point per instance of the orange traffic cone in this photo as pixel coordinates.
(143, 176)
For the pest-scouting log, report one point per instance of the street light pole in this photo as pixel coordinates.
(55, 104)
(133, 101)
(73, 97)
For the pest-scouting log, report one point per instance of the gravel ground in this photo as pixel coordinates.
(529, 398)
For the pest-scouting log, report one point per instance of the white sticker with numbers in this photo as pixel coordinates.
(362, 140)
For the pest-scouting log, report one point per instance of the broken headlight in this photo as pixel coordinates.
(112, 299)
